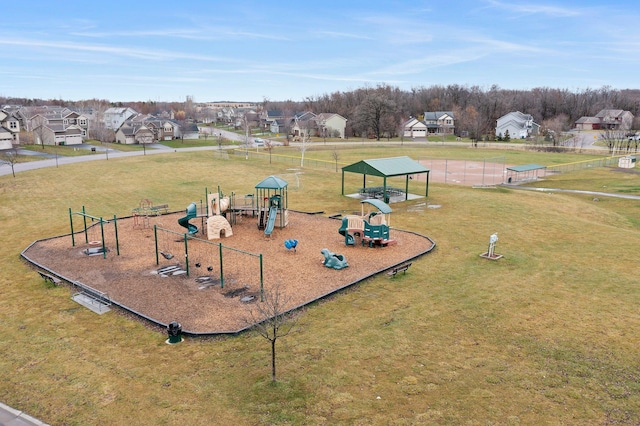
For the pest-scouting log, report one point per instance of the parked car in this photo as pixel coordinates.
(634, 136)
(258, 142)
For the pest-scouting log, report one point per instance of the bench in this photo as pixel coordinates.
(50, 278)
(159, 209)
(400, 268)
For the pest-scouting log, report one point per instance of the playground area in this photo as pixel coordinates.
(200, 296)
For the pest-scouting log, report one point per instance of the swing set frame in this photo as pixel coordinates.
(101, 221)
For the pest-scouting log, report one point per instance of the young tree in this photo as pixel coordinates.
(271, 320)
(336, 156)
(9, 158)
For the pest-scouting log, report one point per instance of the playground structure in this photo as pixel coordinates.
(217, 225)
(273, 203)
(371, 227)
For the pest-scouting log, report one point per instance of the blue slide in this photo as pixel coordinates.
(273, 212)
(184, 221)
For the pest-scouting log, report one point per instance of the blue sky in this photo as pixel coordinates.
(249, 51)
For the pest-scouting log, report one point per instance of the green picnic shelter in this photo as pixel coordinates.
(386, 168)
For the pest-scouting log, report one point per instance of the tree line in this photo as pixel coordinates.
(381, 110)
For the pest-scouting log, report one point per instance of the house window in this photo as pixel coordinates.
(13, 125)
(448, 121)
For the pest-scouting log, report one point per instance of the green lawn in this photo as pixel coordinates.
(548, 334)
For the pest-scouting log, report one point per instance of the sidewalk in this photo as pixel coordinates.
(12, 417)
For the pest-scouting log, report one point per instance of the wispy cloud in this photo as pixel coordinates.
(537, 9)
(336, 34)
(205, 34)
(138, 53)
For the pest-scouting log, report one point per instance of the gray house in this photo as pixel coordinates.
(517, 124)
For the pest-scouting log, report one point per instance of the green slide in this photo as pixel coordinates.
(192, 212)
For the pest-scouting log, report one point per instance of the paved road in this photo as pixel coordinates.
(12, 417)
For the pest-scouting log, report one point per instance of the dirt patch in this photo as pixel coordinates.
(212, 297)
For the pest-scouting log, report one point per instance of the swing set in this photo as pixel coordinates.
(199, 252)
(103, 249)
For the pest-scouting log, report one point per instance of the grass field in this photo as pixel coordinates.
(546, 335)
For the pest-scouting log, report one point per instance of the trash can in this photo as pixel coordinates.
(175, 332)
(509, 179)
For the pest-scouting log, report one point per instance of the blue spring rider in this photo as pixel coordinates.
(291, 244)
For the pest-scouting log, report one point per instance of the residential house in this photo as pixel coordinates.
(439, 122)
(115, 117)
(414, 128)
(615, 119)
(135, 133)
(35, 116)
(190, 131)
(76, 119)
(52, 125)
(304, 125)
(278, 126)
(517, 124)
(57, 134)
(607, 119)
(10, 123)
(331, 125)
(6, 139)
(588, 123)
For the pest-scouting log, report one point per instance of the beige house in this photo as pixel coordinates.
(331, 125)
(607, 119)
(57, 134)
(134, 134)
(414, 128)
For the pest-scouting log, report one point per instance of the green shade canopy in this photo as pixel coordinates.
(386, 167)
(272, 182)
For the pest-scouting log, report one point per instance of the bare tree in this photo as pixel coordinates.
(9, 158)
(336, 156)
(268, 146)
(372, 112)
(271, 320)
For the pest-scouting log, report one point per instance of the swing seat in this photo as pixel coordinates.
(166, 255)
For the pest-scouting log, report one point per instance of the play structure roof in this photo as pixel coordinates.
(382, 206)
(272, 182)
(385, 167)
